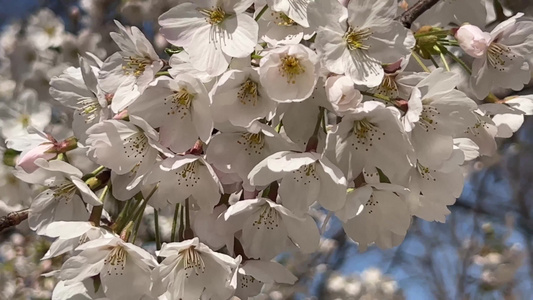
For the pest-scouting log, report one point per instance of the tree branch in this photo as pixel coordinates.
(410, 15)
(13, 219)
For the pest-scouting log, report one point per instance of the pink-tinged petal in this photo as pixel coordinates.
(27, 162)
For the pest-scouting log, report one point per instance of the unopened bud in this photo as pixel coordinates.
(68, 144)
(473, 40)
(27, 162)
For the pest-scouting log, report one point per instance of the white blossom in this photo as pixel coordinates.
(191, 270)
(504, 63)
(364, 37)
(127, 73)
(211, 32)
(268, 229)
(118, 264)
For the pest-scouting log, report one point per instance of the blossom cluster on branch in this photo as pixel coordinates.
(264, 111)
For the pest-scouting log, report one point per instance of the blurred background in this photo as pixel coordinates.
(483, 251)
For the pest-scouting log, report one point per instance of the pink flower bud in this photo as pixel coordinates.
(27, 161)
(473, 40)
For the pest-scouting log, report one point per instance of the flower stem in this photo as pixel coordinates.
(97, 170)
(260, 14)
(187, 233)
(434, 62)
(434, 32)
(312, 143)
(444, 62)
(162, 73)
(278, 128)
(96, 212)
(170, 51)
(256, 56)
(459, 61)
(174, 223)
(182, 223)
(138, 220)
(137, 217)
(419, 61)
(156, 229)
(126, 214)
(378, 96)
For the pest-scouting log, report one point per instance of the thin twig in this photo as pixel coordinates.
(13, 219)
(410, 15)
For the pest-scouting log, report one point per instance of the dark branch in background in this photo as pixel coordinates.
(13, 219)
(410, 15)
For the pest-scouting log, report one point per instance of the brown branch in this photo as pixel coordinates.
(13, 219)
(410, 15)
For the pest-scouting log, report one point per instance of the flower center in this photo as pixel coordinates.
(478, 127)
(388, 87)
(25, 120)
(188, 175)
(117, 260)
(283, 20)
(254, 142)
(248, 92)
(135, 145)
(213, 16)
(427, 118)
(268, 218)
(305, 174)
(180, 102)
(365, 134)
(88, 108)
(425, 172)
(192, 260)
(355, 38)
(64, 191)
(291, 67)
(499, 55)
(247, 281)
(370, 204)
(135, 65)
(50, 31)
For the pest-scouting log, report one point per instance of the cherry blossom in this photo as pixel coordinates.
(211, 32)
(289, 73)
(179, 107)
(305, 178)
(241, 132)
(508, 47)
(365, 37)
(127, 73)
(192, 270)
(268, 229)
(62, 200)
(117, 263)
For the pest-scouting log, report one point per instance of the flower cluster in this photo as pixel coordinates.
(370, 284)
(264, 112)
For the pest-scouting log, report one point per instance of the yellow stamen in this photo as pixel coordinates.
(291, 67)
(213, 16)
(355, 38)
